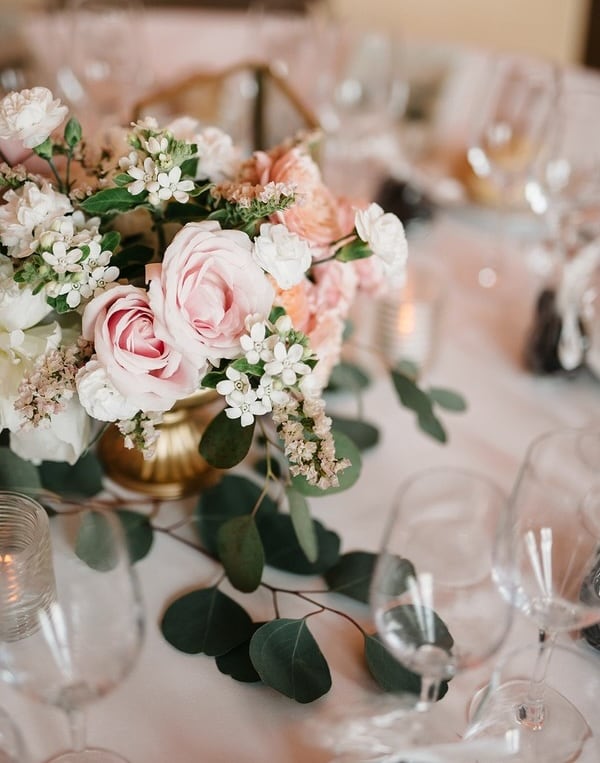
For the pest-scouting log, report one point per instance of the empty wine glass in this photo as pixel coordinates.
(87, 639)
(555, 518)
(435, 603)
(514, 112)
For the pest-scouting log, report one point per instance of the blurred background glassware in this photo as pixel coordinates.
(88, 640)
(102, 74)
(15, 56)
(26, 577)
(433, 597)
(516, 105)
(555, 526)
(575, 671)
(409, 316)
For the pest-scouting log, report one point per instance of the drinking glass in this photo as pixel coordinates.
(517, 106)
(87, 639)
(554, 512)
(434, 599)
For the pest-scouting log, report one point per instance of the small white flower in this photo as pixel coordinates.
(245, 408)
(144, 177)
(169, 185)
(61, 260)
(269, 393)
(157, 145)
(30, 116)
(287, 363)
(256, 345)
(236, 382)
(384, 233)
(285, 255)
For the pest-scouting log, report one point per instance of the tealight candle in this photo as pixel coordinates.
(26, 575)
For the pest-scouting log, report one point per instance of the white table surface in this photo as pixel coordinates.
(178, 708)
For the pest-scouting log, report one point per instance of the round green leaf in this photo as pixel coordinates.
(409, 619)
(448, 399)
(362, 434)
(18, 474)
(344, 448)
(233, 496)
(241, 551)
(352, 575)
(95, 542)
(303, 524)
(237, 663)
(287, 658)
(205, 620)
(283, 551)
(348, 376)
(83, 479)
(225, 441)
(138, 533)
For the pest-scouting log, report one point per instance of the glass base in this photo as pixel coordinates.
(559, 738)
(89, 755)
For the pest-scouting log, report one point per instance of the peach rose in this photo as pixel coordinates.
(143, 368)
(208, 285)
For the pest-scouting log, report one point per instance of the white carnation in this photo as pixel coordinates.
(285, 255)
(99, 397)
(26, 212)
(384, 233)
(30, 116)
(19, 307)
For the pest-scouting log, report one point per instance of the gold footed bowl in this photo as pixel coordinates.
(176, 469)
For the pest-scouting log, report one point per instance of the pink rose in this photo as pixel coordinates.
(209, 284)
(142, 367)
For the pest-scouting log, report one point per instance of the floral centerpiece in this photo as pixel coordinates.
(151, 262)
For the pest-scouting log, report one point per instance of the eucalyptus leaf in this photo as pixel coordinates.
(420, 626)
(415, 399)
(17, 474)
(283, 551)
(96, 542)
(344, 448)
(303, 524)
(241, 552)
(138, 533)
(348, 376)
(237, 663)
(432, 426)
(206, 620)
(83, 479)
(288, 659)
(352, 574)
(233, 496)
(362, 434)
(390, 674)
(448, 399)
(225, 441)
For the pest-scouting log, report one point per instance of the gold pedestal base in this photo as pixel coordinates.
(177, 469)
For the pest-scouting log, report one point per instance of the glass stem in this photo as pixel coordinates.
(76, 718)
(429, 692)
(531, 711)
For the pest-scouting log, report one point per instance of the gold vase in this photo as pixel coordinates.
(176, 469)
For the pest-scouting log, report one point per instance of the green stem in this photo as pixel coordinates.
(61, 185)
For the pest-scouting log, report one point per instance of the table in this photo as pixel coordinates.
(177, 707)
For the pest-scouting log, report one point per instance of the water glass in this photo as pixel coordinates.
(26, 574)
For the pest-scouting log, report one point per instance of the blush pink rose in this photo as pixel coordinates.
(209, 284)
(142, 367)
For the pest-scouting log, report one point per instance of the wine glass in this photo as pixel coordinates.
(433, 596)
(514, 112)
(554, 512)
(86, 639)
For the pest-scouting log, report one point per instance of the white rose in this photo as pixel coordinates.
(285, 255)
(19, 307)
(64, 439)
(24, 211)
(99, 397)
(384, 233)
(217, 154)
(29, 116)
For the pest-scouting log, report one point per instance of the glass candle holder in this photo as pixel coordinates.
(26, 573)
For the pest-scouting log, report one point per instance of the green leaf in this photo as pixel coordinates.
(283, 551)
(189, 166)
(133, 254)
(138, 533)
(72, 132)
(241, 551)
(45, 149)
(111, 241)
(18, 474)
(212, 379)
(225, 441)
(355, 250)
(419, 626)
(84, 478)
(95, 542)
(389, 673)
(233, 496)
(206, 620)
(348, 376)
(303, 524)
(352, 575)
(288, 659)
(344, 448)
(408, 368)
(237, 663)
(448, 399)
(362, 434)
(111, 200)
(432, 426)
(412, 397)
